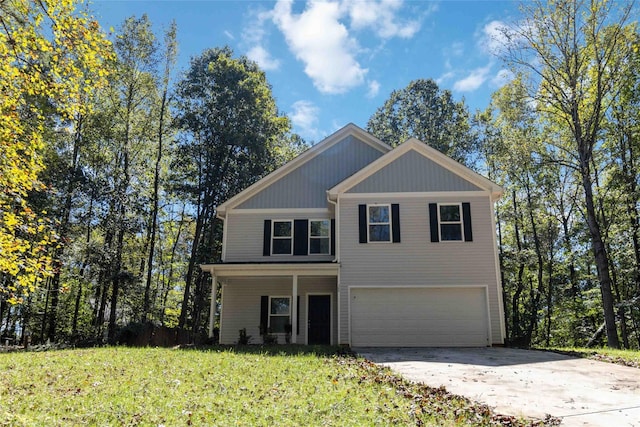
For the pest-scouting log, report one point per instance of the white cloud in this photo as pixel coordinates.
(318, 39)
(473, 81)
(264, 59)
(254, 36)
(444, 77)
(229, 35)
(502, 77)
(255, 31)
(305, 117)
(381, 18)
(374, 89)
(455, 49)
(497, 36)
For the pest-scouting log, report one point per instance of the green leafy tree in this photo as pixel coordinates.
(51, 56)
(423, 111)
(232, 135)
(575, 53)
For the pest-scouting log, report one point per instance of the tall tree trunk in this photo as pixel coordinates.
(515, 301)
(535, 292)
(115, 287)
(64, 228)
(599, 250)
(182, 321)
(154, 213)
(123, 188)
(46, 309)
(550, 289)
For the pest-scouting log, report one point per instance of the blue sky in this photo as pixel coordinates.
(335, 62)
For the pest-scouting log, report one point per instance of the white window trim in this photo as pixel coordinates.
(328, 237)
(388, 205)
(278, 315)
(273, 237)
(461, 222)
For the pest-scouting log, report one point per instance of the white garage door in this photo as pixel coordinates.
(419, 317)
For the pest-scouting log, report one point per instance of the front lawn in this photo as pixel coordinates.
(620, 357)
(244, 386)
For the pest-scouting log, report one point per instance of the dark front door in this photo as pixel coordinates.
(319, 321)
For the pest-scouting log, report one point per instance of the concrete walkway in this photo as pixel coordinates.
(525, 383)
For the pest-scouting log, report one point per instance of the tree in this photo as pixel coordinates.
(50, 56)
(574, 53)
(231, 129)
(134, 97)
(423, 111)
(169, 58)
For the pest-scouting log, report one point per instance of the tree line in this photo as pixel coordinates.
(129, 180)
(119, 209)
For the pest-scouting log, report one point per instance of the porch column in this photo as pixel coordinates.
(294, 310)
(213, 307)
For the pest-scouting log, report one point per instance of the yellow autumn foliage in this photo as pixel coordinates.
(49, 51)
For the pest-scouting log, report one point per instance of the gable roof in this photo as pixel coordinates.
(320, 147)
(431, 153)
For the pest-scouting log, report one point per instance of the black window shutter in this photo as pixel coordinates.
(264, 314)
(362, 218)
(433, 221)
(395, 223)
(266, 244)
(300, 236)
(466, 218)
(333, 237)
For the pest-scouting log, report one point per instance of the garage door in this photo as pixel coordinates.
(419, 317)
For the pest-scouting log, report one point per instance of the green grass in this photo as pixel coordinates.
(621, 357)
(244, 386)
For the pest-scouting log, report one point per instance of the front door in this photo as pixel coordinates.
(319, 319)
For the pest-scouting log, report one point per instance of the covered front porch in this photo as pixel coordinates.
(288, 302)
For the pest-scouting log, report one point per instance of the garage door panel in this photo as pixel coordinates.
(419, 317)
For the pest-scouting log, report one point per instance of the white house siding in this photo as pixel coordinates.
(416, 261)
(306, 186)
(241, 304)
(413, 172)
(245, 235)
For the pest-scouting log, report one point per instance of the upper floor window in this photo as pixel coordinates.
(319, 236)
(298, 237)
(379, 223)
(282, 241)
(450, 220)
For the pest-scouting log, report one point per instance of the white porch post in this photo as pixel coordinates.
(294, 309)
(213, 307)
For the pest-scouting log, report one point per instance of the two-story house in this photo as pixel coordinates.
(354, 242)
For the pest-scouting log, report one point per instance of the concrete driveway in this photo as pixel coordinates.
(526, 383)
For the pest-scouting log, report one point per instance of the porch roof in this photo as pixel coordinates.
(271, 269)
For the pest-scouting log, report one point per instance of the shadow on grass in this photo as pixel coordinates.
(275, 350)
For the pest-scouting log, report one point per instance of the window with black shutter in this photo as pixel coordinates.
(450, 222)
(379, 223)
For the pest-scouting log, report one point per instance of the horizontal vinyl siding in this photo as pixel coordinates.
(245, 235)
(424, 317)
(306, 186)
(417, 261)
(241, 304)
(412, 172)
